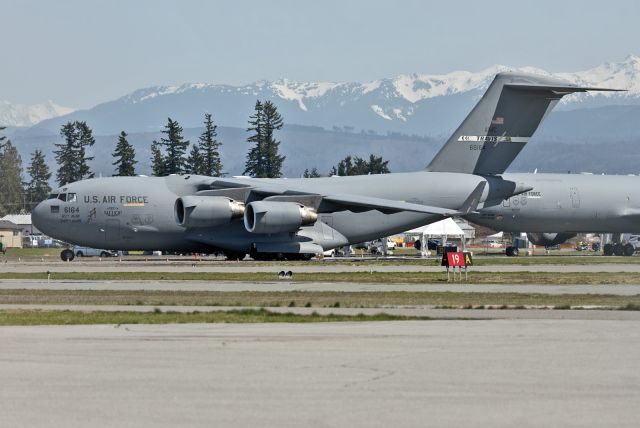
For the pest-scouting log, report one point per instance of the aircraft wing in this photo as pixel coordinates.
(469, 205)
(336, 201)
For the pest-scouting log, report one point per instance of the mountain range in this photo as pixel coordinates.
(404, 119)
(420, 104)
(19, 115)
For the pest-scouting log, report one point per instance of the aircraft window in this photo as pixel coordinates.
(71, 197)
(53, 196)
(62, 197)
(55, 209)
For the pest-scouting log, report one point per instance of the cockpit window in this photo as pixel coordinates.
(62, 197)
(71, 197)
(53, 196)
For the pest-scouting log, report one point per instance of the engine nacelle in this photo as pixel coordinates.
(277, 217)
(549, 239)
(206, 211)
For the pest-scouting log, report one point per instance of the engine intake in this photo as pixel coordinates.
(277, 217)
(206, 211)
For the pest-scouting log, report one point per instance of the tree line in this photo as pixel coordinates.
(169, 155)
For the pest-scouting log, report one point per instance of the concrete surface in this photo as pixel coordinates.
(535, 373)
(618, 289)
(93, 265)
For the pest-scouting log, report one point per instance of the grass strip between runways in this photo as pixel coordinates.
(364, 299)
(36, 317)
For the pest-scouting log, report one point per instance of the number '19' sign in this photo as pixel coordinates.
(457, 259)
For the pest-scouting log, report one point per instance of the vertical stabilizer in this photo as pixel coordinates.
(502, 122)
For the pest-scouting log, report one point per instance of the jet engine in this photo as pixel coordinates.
(549, 239)
(206, 211)
(277, 217)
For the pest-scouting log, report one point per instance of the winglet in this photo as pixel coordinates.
(471, 203)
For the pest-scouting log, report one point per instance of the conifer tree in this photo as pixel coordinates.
(71, 154)
(272, 122)
(264, 160)
(65, 155)
(175, 147)
(2, 138)
(209, 149)
(157, 160)
(125, 157)
(253, 164)
(311, 174)
(359, 166)
(195, 161)
(11, 191)
(84, 141)
(37, 189)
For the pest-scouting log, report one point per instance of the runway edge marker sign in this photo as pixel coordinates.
(459, 259)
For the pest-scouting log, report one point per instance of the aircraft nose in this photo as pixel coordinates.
(39, 216)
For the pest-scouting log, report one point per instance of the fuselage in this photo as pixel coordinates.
(133, 213)
(567, 203)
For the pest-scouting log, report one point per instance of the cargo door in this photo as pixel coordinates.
(327, 227)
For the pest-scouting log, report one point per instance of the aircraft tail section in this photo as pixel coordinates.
(502, 122)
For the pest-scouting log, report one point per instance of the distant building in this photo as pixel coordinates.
(469, 230)
(10, 235)
(24, 222)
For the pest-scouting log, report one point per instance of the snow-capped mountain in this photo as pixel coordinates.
(413, 103)
(28, 115)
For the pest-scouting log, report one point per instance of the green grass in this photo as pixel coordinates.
(524, 277)
(33, 252)
(29, 317)
(309, 298)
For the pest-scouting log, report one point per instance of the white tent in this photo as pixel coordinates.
(444, 229)
(498, 235)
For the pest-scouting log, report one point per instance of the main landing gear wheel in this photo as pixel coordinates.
(512, 252)
(629, 250)
(607, 250)
(67, 255)
(618, 250)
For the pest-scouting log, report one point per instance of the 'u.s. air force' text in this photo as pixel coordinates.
(113, 199)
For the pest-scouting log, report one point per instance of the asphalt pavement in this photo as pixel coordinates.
(501, 373)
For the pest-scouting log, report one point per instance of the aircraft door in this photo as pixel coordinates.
(327, 226)
(112, 230)
(575, 197)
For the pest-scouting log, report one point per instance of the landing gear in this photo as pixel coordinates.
(618, 249)
(628, 250)
(234, 255)
(512, 252)
(607, 250)
(67, 255)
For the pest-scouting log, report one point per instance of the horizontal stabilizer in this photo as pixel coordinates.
(560, 89)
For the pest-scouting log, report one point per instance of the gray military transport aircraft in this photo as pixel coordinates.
(297, 218)
(562, 205)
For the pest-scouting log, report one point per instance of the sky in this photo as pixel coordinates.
(80, 53)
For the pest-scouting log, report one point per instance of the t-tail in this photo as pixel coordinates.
(502, 122)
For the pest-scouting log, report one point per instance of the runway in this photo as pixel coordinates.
(435, 373)
(243, 267)
(616, 289)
